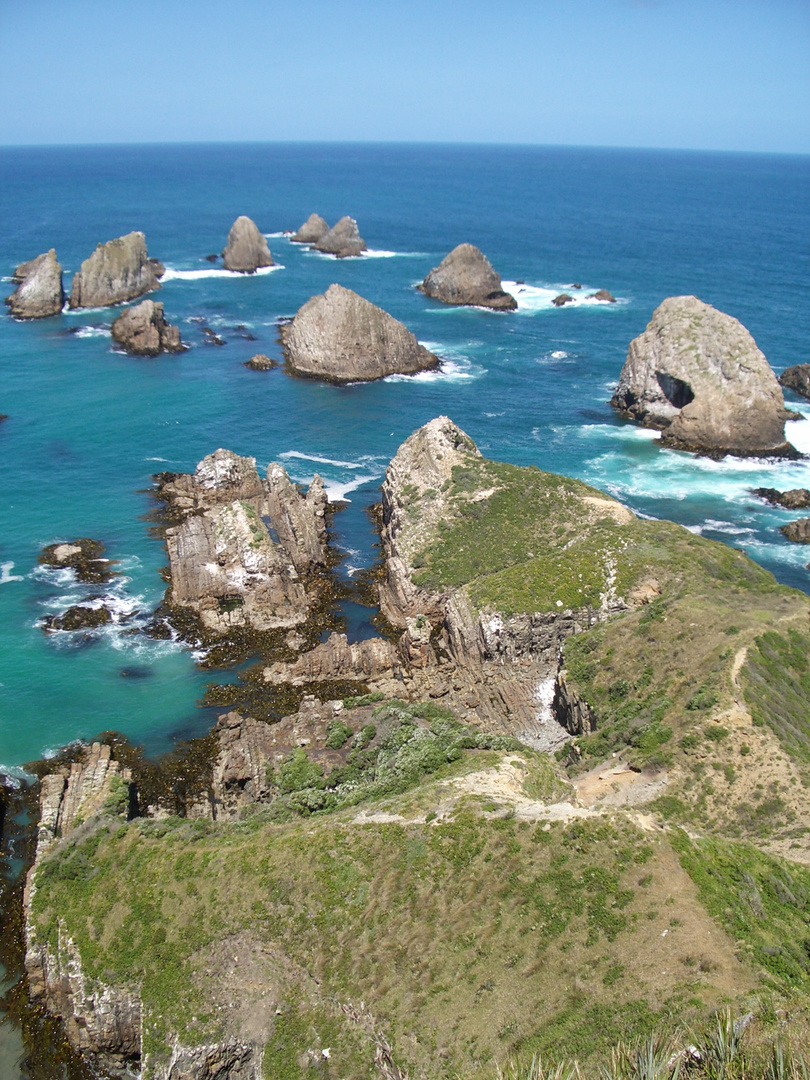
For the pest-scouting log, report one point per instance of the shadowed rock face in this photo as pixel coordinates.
(697, 374)
(341, 337)
(246, 249)
(343, 240)
(40, 291)
(117, 271)
(466, 277)
(313, 230)
(797, 378)
(143, 331)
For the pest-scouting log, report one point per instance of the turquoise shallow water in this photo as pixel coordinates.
(88, 427)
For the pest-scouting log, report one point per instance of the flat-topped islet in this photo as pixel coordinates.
(341, 337)
(117, 271)
(697, 375)
(466, 277)
(39, 292)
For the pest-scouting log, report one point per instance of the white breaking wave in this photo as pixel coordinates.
(214, 272)
(321, 460)
(6, 575)
(338, 491)
(531, 298)
(371, 253)
(91, 332)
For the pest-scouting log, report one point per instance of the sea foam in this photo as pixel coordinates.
(214, 272)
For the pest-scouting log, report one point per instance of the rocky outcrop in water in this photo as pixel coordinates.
(562, 300)
(797, 378)
(795, 499)
(117, 271)
(466, 277)
(143, 331)
(604, 295)
(697, 375)
(39, 293)
(342, 240)
(313, 230)
(246, 250)
(260, 362)
(339, 336)
(798, 531)
(243, 547)
(84, 556)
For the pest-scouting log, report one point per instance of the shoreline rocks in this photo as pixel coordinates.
(143, 331)
(342, 240)
(340, 337)
(797, 531)
(697, 375)
(246, 250)
(84, 556)
(39, 293)
(117, 271)
(466, 277)
(795, 499)
(260, 362)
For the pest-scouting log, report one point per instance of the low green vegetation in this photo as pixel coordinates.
(777, 687)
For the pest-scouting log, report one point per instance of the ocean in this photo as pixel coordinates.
(88, 427)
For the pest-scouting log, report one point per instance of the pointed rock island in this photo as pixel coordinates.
(117, 271)
(39, 293)
(340, 337)
(313, 230)
(697, 375)
(466, 277)
(342, 240)
(246, 250)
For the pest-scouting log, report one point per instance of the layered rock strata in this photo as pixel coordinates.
(117, 271)
(339, 336)
(697, 375)
(466, 277)
(246, 250)
(797, 378)
(313, 230)
(101, 1021)
(244, 546)
(342, 240)
(143, 331)
(39, 293)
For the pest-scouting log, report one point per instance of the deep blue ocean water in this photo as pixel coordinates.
(88, 427)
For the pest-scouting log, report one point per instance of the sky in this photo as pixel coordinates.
(688, 74)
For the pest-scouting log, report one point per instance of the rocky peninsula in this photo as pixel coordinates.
(117, 271)
(39, 293)
(466, 277)
(246, 250)
(143, 331)
(697, 375)
(341, 337)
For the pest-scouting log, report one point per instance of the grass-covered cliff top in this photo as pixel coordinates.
(474, 935)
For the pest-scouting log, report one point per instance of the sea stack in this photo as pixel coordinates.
(39, 293)
(246, 250)
(313, 230)
(343, 240)
(697, 375)
(143, 331)
(797, 378)
(117, 271)
(341, 337)
(466, 277)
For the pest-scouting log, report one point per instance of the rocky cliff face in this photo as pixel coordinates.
(246, 249)
(225, 565)
(342, 240)
(117, 271)
(40, 291)
(313, 230)
(466, 277)
(102, 1021)
(697, 374)
(143, 331)
(341, 337)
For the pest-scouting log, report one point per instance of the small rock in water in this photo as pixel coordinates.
(563, 298)
(260, 362)
(83, 556)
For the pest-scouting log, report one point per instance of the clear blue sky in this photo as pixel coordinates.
(701, 74)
